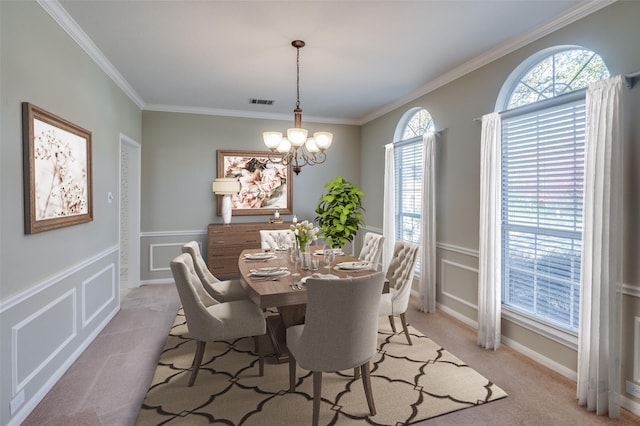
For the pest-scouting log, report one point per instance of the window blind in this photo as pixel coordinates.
(542, 199)
(408, 157)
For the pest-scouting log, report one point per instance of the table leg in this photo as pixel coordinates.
(277, 328)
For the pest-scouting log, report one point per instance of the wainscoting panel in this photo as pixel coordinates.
(49, 325)
(455, 278)
(34, 342)
(98, 292)
(157, 249)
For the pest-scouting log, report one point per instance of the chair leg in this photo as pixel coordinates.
(317, 393)
(404, 327)
(356, 373)
(366, 381)
(257, 340)
(393, 324)
(292, 373)
(197, 359)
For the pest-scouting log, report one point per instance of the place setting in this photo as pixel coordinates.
(272, 273)
(259, 257)
(352, 266)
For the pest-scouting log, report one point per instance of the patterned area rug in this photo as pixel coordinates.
(410, 384)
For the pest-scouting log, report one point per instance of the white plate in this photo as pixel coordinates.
(268, 272)
(259, 256)
(351, 266)
(320, 276)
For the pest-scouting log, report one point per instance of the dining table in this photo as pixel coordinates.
(273, 281)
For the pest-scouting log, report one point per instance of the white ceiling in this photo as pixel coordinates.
(362, 58)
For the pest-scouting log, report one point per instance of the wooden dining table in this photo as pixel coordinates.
(287, 294)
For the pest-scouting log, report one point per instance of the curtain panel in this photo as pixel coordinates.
(389, 203)
(599, 339)
(490, 267)
(428, 226)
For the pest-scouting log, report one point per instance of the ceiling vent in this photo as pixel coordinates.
(261, 101)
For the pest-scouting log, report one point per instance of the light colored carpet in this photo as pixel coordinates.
(410, 384)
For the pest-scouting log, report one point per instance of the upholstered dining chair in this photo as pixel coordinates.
(222, 291)
(371, 249)
(400, 276)
(339, 333)
(218, 321)
(269, 238)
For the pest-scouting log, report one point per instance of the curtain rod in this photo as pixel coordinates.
(399, 143)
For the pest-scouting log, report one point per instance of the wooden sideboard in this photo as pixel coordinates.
(226, 242)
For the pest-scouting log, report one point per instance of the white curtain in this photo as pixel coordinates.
(601, 274)
(389, 203)
(489, 276)
(428, 226)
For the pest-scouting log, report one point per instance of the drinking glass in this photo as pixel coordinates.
(328, 255)
(294, 255)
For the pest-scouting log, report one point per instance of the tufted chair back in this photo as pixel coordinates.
(222, 291)
(371, 249)
(400, 277)
(268, 238)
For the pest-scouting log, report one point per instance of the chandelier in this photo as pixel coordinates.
(296, 148)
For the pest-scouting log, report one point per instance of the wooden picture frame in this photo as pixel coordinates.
(57, 171)
(264, 185)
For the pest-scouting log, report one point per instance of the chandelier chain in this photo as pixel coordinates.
(297, 77)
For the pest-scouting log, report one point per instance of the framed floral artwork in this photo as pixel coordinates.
(57, 171)
(265, 185)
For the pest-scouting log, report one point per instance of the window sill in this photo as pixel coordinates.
(557, 335)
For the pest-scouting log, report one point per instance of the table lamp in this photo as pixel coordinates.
(226, 187)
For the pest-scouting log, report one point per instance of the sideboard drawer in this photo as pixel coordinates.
(226, 242)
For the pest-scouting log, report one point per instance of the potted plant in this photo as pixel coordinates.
(340, 212)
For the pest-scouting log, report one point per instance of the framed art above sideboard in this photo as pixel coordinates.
(265, 185)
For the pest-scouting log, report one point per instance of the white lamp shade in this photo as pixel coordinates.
(323, 139)
(311, 145)
(284, 146)
(297, 136)
(225, 186)
(272, 139)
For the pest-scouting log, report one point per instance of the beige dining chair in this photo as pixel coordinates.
(218, 321)
(269, 238)
(339, 333)
(371, 249)
(222, 291)
(400, 276)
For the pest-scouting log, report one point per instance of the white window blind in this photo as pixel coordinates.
(408, 157)
(542, 199)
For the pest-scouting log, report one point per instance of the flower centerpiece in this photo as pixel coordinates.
(304, 232)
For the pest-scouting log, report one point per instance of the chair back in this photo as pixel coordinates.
(400, 273)
(371, 248)
(341, 324)
(269, 238)
(199, 264)
(194, 299)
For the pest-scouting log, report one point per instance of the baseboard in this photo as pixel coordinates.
(529, 353)
(540, 359)
(37, 397)
(630, 405)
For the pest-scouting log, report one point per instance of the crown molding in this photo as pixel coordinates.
(245, 114)
(579, 12)
(67, 23)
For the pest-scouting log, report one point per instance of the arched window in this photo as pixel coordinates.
(408, 172)
(543, 126)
